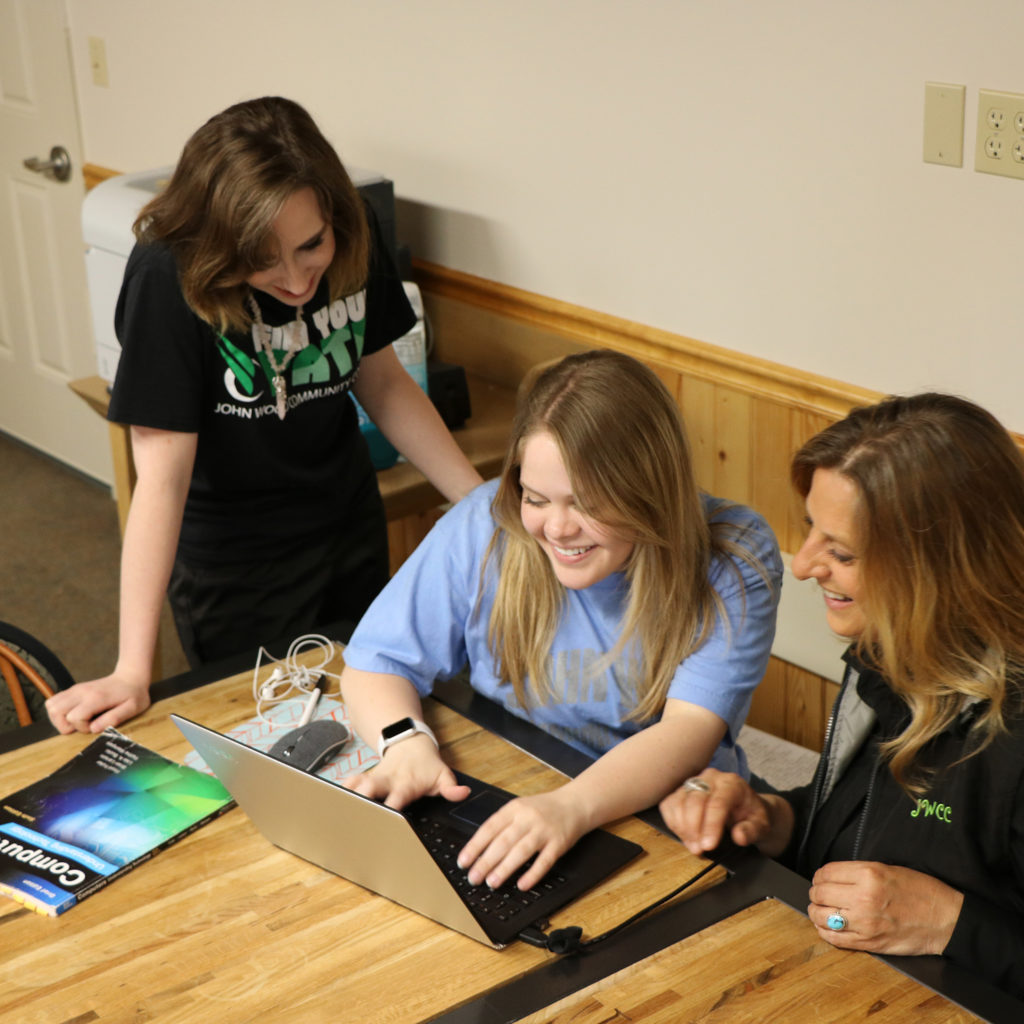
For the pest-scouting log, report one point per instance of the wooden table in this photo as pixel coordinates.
(225, 927)
(769, 965)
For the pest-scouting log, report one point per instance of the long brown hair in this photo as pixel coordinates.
(621, 438)
(218, 210)
(940, 545)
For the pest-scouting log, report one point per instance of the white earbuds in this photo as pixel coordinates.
(288, 678)
(268, 691)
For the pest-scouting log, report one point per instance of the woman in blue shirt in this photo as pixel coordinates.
(592, 589)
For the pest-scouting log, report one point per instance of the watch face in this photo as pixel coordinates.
(403, 725)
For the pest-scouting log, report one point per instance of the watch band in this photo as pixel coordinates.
(403, 729)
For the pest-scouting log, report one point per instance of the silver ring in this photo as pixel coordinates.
(836, 922)
(696, 786)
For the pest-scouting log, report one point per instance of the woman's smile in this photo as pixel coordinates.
(829, 554)
(305, 249)
(581, 550)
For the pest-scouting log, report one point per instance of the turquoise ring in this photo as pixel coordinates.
(836, 922)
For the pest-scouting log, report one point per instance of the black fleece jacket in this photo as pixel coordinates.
(967, 831)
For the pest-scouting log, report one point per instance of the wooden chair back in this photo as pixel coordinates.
(31, 673)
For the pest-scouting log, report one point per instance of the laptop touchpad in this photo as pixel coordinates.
(477, 809)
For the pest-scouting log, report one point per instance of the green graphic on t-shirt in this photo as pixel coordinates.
(342, 327)
(342, 348)
(239, 364)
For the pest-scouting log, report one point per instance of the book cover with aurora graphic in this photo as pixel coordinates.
(111, 807)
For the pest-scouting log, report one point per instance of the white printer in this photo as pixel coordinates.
(108, 213)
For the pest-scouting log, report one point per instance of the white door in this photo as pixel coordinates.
(46, 336)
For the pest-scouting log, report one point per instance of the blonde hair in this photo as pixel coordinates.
(622, 442)
(217, 212)
(940, 522)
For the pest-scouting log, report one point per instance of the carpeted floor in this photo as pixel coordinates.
(60, 548)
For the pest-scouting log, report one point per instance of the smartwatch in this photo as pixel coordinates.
(403, 729)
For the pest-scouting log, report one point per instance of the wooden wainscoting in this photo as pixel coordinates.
(793, 703)
(745, 416)
(405, 534)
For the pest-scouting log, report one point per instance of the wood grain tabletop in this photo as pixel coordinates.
(764, 965)
(224, 927)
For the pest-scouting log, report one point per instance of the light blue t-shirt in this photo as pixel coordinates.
(432, 618)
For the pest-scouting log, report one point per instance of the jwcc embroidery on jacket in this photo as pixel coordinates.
(943, 812)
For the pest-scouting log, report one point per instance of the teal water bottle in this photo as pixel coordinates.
(411, 350)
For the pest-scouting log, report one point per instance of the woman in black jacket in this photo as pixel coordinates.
(912, 831)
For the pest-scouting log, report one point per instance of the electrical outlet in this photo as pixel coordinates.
(999, 148)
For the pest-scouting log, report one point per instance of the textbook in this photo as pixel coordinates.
(104, 812)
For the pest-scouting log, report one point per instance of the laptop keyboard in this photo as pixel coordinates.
(500, 905)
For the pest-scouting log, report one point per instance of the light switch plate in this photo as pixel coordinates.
(944, 123)
(98, 61)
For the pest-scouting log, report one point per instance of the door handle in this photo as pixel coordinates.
(57, 167)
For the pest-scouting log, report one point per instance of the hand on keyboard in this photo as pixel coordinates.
(545, 825)
(407, 771)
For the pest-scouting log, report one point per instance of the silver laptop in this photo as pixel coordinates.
(407, 856)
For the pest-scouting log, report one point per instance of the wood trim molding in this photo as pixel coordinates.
(94, 174)
(750, 374)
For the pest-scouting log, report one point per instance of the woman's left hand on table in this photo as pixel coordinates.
(546, 825)
(887, 909)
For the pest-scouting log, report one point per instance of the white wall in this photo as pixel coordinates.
(744, 172)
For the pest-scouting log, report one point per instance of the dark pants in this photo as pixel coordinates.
(229, 609)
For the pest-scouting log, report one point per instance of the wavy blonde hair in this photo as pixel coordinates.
(940, 545)
(622, 442)
(217, 212)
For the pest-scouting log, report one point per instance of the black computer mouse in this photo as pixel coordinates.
(310, 745)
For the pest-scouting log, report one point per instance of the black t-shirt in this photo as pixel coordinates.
(260, 485)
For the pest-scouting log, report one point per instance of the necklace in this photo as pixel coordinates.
(263, 344)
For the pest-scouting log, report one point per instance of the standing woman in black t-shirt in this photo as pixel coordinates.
(259, 294)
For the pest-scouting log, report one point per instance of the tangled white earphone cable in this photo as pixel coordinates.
(290, 680)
